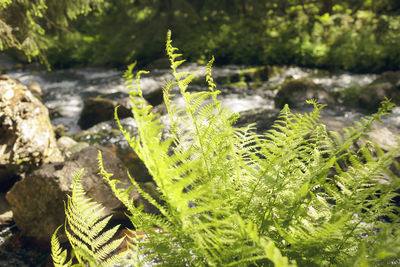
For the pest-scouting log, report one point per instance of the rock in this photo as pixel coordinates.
(256, 74)
(295, 92)
(35, 89)
(38, 200)
(107, 134)
(392, 77)
(372, 95)
(64, 143)
(69, 146)
(161, 63)
(263, 118)
(333, 123)
(97, 109)
(385, 136)
(59, 130)
(6, 216)
(237, 86)
(27, 138)
(386, 85)
(154, 97)
(5, 210)
(160, 109)
(151, 189)
(134, 164)
(20, 251)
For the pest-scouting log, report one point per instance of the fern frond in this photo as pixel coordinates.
(58, 255)
(232, 197)
(84, 228)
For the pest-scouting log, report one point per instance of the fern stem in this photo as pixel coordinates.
(190, 110)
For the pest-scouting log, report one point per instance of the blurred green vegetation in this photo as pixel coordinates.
(29, 26)
(354, 35)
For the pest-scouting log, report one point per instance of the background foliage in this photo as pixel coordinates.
(356, 35)
(33, 26)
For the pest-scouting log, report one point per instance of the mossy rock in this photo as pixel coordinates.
(263, 118)
(238, 86)
(385, 86)
(295, 92)
(255, 74)
(373, 94)
(99, 109)
(349, 96)
(244, 75)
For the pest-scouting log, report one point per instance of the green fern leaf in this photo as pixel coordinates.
(84, 229)
(57, 253)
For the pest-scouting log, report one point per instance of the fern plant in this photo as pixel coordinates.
(295, 195)
(84, 227)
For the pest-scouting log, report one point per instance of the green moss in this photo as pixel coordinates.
(238, 84)
(349, 96)
(256, 74)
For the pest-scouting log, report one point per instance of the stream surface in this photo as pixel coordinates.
(64, 91)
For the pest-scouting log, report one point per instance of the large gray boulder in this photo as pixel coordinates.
(263, 118)
(386, 86)
(107, 134)
(295, 92)
(98, 109)
(27, 138)
(38, 200)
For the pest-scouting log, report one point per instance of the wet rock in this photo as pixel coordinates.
(263, 118)
(151, 189)
(27, 138)
(64, 143)
(107, 134)
(5, 210)
(295, 92)
(333, 123)
(161, 63)
(387, 86)
(6, 216)
(35, 89)
(98, 109)
(392, 77)
(18, 250)
(233, 76)
(257, 74)
(385, 136)
(154, 97)
(59, 130)
(69, 146)
(38, 200)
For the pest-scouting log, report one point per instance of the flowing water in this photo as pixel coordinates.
(64, 91)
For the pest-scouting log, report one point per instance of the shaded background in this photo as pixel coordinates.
(353, 35)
